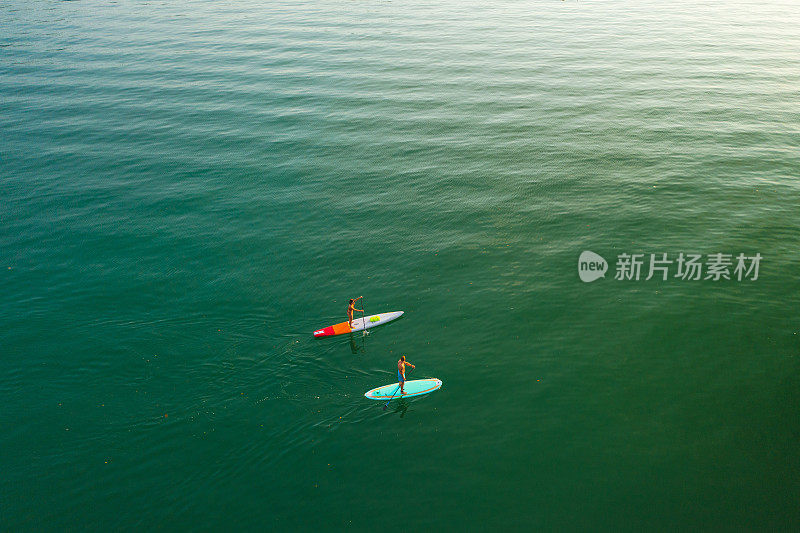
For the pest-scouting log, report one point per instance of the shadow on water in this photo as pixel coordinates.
(356, 347)
(401, 407)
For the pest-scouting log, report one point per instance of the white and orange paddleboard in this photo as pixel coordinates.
(359, 324)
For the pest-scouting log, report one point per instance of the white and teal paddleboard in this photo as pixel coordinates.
(415, 387)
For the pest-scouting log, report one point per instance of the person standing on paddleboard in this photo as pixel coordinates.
(351, 308)
(401, 371)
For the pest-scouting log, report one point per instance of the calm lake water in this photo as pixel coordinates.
(189, 189)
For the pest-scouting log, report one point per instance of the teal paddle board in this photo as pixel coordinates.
(415, 387)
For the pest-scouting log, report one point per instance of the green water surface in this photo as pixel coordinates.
(189, 189)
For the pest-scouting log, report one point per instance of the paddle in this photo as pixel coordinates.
(390, 399)
(363, 318)
(395, 392)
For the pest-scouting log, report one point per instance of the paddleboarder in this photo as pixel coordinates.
(351, 308)
(401, 371)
